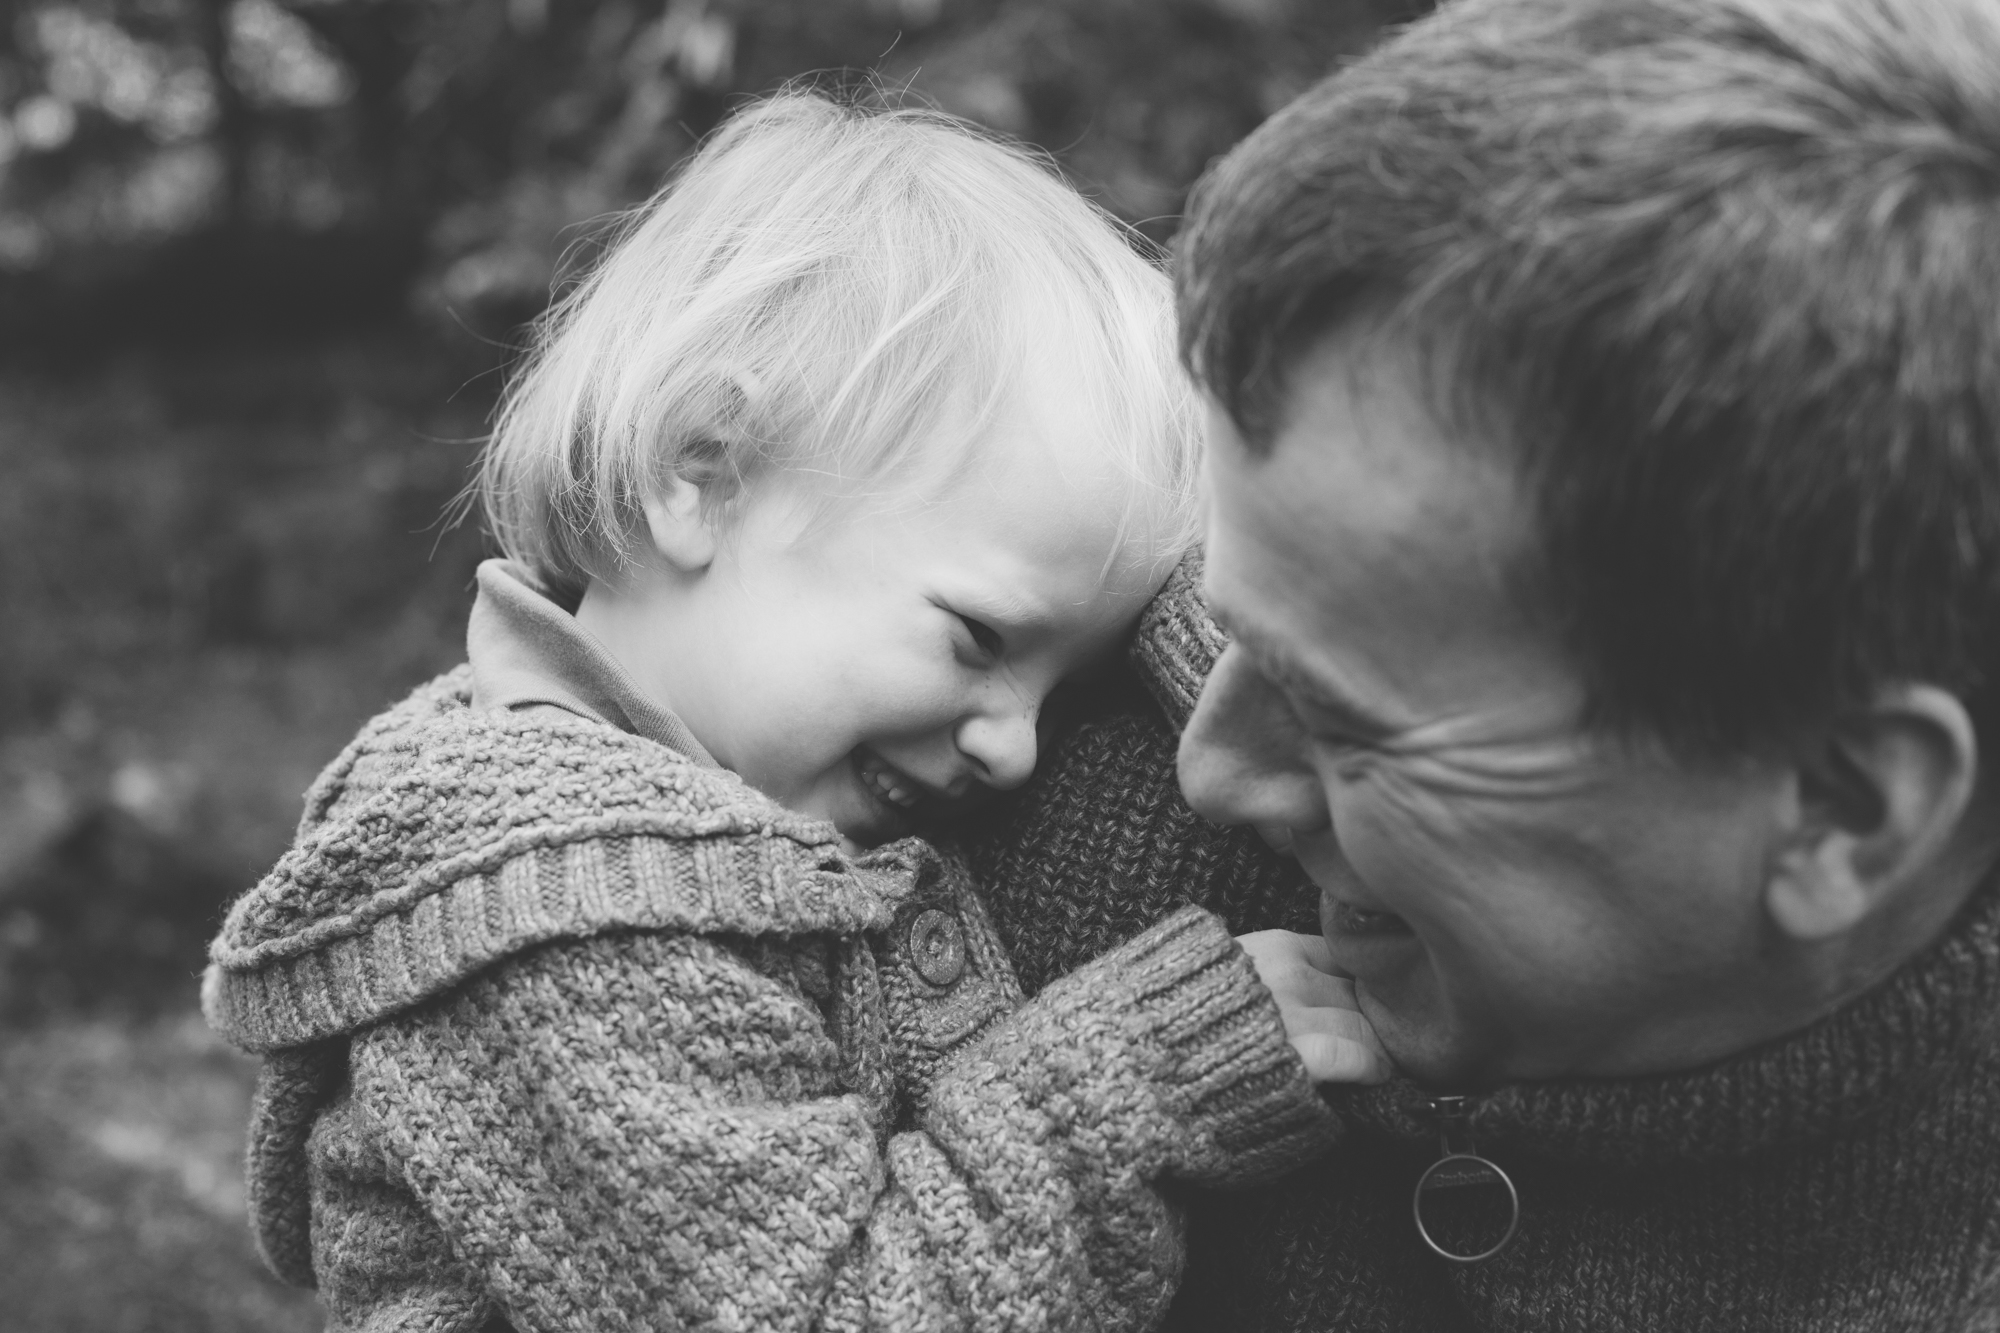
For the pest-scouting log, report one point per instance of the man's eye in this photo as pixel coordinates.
(983, 635)
(1321, 729)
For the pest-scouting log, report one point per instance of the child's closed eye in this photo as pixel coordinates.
(985, 638)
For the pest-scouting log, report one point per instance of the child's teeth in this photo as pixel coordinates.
(886, 786)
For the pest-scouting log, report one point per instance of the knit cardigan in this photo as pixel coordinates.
(1846, 1177)
(566, 1031)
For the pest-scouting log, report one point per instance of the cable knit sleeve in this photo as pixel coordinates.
(656, 1130)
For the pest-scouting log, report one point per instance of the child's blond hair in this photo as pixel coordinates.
(822, 288)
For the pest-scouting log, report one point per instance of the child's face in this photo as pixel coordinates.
(891, 665)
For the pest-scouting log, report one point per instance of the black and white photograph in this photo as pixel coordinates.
(915, 666)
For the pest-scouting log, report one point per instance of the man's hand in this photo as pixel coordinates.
(1320, 1013)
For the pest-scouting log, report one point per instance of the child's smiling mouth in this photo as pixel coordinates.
(903, 803)
(895, 787)
(900, 798)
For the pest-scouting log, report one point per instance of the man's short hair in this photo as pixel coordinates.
(1726, 273)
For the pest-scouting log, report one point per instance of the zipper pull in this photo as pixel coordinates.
(1454, 1121)
(1463, 1202)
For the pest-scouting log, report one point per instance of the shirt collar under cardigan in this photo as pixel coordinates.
(526, 650)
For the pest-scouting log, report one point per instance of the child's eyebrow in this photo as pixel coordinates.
(1005, 607)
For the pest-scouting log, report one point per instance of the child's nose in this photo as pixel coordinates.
(1001, 742)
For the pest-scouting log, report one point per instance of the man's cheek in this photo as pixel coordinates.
(1402, 840)
(1422, 889)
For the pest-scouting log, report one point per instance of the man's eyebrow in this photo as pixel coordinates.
(1306, 687)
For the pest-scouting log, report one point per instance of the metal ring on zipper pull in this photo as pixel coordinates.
(1460, 1170)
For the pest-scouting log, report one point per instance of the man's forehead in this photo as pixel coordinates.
(1361, 478)
(1367, 542)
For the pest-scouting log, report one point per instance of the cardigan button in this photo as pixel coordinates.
(937, 947)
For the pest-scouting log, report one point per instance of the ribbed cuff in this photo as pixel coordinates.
(1178, 642)
(1249, 1108)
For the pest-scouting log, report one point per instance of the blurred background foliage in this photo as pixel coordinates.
(175, 167)
(262, 266)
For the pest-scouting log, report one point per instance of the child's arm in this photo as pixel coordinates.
(651, 1130)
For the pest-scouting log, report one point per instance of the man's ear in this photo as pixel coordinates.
(682, 532)
(1878, 802)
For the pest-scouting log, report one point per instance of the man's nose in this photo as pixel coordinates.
(1000, 741)
(1242, 756)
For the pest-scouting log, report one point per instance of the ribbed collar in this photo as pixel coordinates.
(525, 649)
(1926, 1023)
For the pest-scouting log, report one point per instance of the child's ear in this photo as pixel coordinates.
(682, 530)
(1877, 804)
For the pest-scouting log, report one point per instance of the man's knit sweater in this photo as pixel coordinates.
(1844, 1178)
(567, 1028)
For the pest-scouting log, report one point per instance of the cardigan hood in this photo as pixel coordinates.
(418, 864)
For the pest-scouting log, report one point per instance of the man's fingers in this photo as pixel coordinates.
(1333, 1059)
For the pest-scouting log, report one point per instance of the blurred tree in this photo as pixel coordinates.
(180, 165)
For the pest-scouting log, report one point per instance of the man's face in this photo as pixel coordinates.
(1514, 895)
